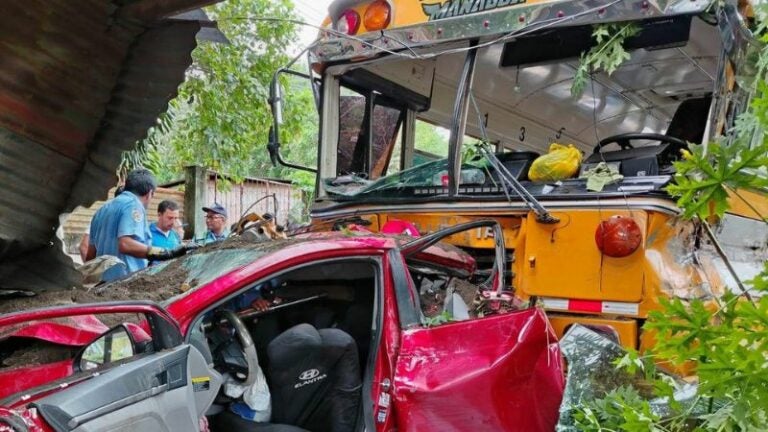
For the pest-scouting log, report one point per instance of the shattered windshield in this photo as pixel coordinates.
(430, 174)
(593, 373)
(479, 177)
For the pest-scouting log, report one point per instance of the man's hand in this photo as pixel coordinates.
(160, 254)
(261, 305)
(203, 424)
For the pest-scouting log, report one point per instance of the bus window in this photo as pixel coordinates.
(355, 156)
(430, 142)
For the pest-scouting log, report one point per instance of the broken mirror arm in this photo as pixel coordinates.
(276, 104)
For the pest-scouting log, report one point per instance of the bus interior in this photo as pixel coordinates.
(638, 118)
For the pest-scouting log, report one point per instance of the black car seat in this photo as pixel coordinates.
(690, 119)
(268, 327)
(314, 377)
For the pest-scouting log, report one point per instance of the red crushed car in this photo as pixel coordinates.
(323, 332)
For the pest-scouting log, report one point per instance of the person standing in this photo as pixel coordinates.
(163, 233)
(216, 222)
(119, 228)
(85, 241)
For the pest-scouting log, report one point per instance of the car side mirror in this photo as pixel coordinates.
(114, 345)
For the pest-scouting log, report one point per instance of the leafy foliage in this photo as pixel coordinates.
(442, 318)
(621, 409)
(727, 338)
(729, 345)
(705, 175)
(221, 117)
(607, 54)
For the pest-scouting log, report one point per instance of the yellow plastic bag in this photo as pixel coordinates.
(560, 163)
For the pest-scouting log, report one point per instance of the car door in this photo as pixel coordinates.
(135, 376)
(501, 372)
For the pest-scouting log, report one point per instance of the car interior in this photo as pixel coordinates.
(310, 332)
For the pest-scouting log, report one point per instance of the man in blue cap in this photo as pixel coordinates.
(216, 222)
(119, 228)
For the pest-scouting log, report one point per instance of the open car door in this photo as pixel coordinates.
(137, 375)
(499, 369)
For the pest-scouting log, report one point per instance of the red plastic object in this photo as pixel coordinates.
(618, 236)
(400, 227)
(349, 22)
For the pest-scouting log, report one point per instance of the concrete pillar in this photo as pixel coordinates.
(195, 198)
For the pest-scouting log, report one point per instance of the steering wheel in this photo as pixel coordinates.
(623, 140)
(245, 374)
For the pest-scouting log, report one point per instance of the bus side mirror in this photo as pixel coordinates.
(276, 103)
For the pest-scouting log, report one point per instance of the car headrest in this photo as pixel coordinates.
(294, 344)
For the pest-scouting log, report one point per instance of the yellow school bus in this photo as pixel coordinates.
(402, 85)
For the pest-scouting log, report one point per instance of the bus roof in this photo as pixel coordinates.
(416, 24)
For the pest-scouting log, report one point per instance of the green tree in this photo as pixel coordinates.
(429, 139)
(221, 117)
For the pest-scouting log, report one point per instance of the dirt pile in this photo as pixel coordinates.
(149, 284)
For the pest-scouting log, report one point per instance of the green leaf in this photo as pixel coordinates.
(607, 54)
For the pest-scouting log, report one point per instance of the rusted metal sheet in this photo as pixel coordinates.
(152, 10)
(78, 86)
(239, 197)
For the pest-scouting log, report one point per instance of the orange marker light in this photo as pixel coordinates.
(377, 16)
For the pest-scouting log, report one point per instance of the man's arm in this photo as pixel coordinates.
(84, 247)
(91, 252)
(130, 246)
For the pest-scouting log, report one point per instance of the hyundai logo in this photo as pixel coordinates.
(309, 374)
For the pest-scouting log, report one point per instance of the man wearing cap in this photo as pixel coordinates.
(216, 222)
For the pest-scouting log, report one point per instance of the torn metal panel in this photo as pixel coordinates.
(154, 10)
(153, 70)
(78, 86)
(745, 242)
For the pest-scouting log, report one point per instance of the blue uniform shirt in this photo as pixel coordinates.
(210, 237)
(122, 216)
(163, 240)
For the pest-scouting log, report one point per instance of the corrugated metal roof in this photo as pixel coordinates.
(78, 86)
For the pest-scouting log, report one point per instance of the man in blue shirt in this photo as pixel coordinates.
(163, 233)
(119, 228)
(216, 222)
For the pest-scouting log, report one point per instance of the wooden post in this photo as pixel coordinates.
(194, 199)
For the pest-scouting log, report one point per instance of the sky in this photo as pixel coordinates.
(313, 12)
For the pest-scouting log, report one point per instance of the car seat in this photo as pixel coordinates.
(315, 379)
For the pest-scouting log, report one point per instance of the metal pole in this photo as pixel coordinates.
(459, 122)
(726, 260)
